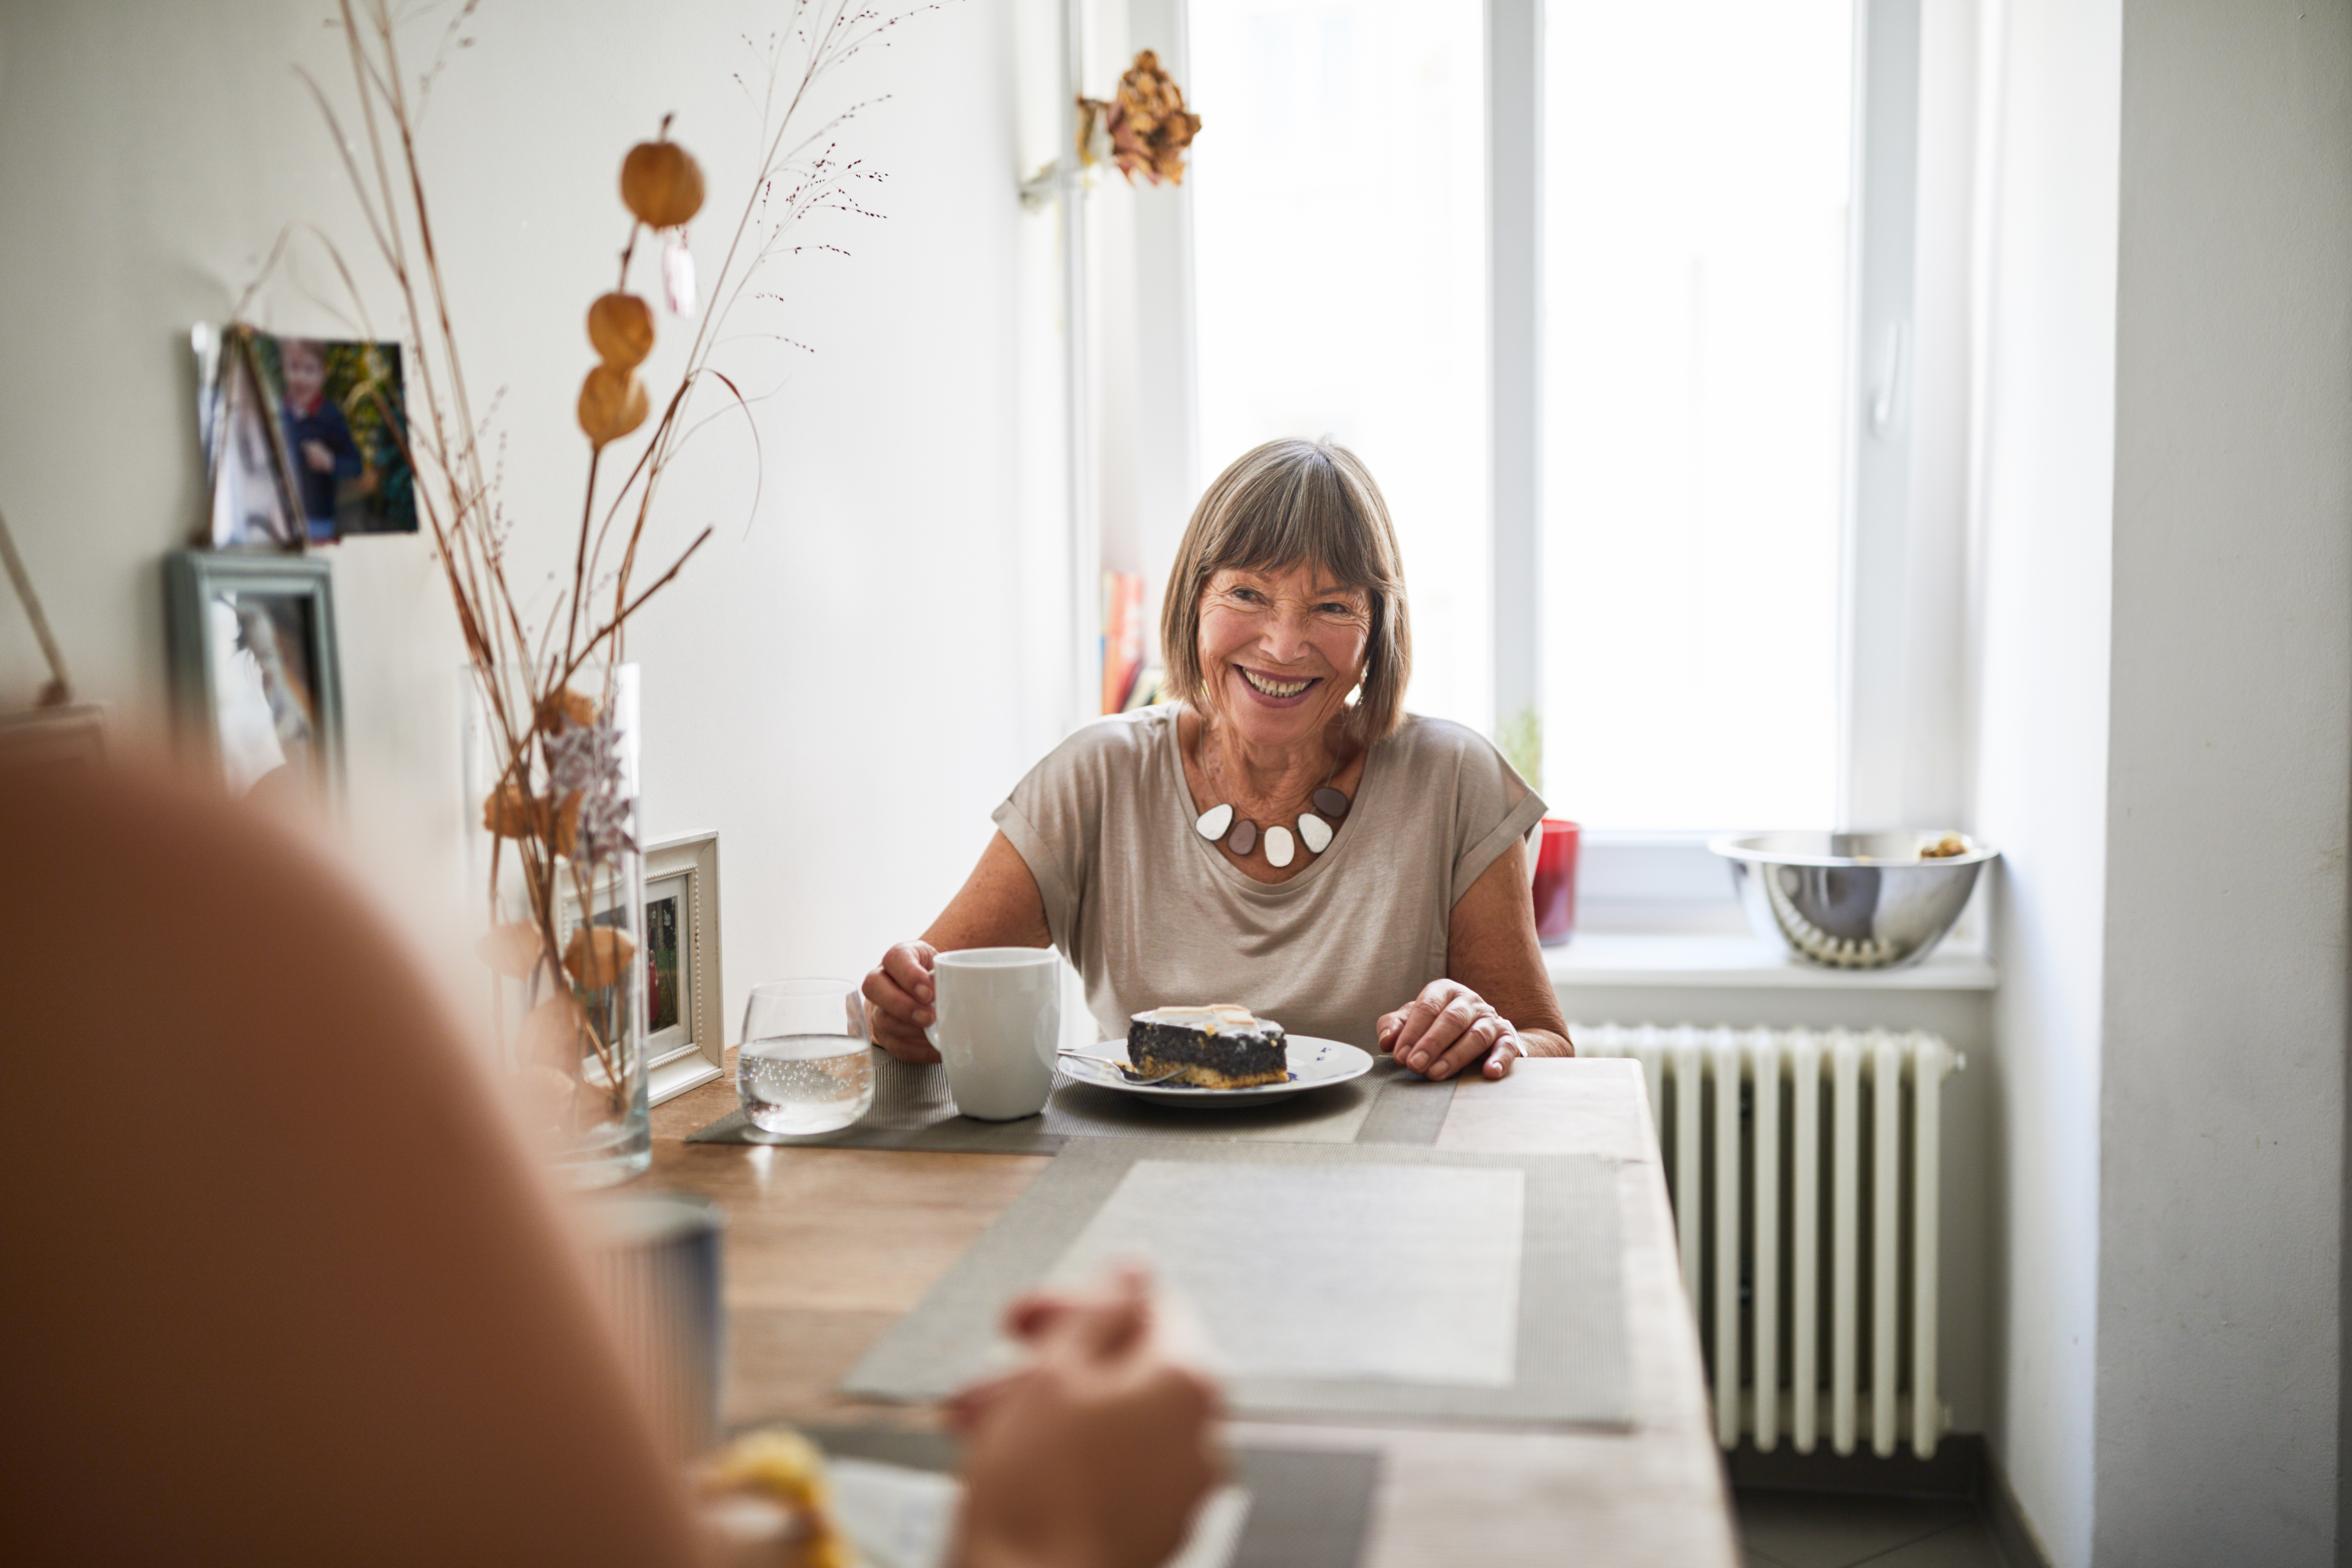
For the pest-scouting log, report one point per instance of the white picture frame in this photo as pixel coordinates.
(686, 1037)
(691, 1051)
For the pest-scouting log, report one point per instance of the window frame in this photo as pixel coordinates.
(1900, 700)
(1875, 700)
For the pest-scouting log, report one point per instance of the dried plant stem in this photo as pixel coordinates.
(524, 681)
(59, 690)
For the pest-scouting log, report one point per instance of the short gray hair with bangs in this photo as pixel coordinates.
(1285, 504)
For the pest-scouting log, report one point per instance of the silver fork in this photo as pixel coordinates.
(1124, 1071)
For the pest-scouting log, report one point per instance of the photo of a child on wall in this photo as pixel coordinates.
(340, 404)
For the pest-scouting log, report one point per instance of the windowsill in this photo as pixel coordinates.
(1654, 959)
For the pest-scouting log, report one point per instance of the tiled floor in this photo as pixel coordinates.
(1822, 1529)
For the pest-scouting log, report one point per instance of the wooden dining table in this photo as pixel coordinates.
(828, 1247)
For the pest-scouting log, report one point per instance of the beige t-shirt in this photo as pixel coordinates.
(1153, 915)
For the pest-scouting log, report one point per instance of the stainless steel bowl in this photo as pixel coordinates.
(1852, 901)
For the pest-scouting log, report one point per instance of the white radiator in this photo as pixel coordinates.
(1807, 1219)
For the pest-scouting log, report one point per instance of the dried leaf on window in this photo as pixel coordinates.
(1146, 123)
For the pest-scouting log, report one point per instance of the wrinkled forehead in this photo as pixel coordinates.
(1298, 575)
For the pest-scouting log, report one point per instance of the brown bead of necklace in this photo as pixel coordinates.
(1312, 828)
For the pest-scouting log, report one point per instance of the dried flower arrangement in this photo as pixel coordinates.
(1143, 127)
(560, 802)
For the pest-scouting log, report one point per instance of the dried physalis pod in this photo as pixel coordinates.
(511, 812)
(563, 837)
(621, 330)
(612, 404)
(511, 950)
(598, 955)
(554, 1033)
(662, 184)
(564, 707)
(678, 274)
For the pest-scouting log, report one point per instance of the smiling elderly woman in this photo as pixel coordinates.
(1285, 835)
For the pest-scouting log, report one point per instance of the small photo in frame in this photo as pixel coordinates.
(685, 1037)
(338, 411)
(255, 674)
(305, 439)
(253, 487)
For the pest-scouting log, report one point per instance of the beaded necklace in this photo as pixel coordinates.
(1313, 828)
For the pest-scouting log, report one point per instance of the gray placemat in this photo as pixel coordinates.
(1409, 1109)
(1562, 1350)
(912, 1111)
(1309, 1508)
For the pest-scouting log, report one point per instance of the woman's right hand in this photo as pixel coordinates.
(899, 996)
(999, 907)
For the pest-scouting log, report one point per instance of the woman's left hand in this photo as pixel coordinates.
(1446, 1028)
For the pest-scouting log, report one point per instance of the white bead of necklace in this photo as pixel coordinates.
(1313, 828)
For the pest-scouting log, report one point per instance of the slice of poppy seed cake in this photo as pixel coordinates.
(1221, 1046)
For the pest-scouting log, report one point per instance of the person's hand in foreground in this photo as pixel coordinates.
(1096, 1453)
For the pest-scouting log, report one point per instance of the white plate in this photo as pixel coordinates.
(1314, 1064)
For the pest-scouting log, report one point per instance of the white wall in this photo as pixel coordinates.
(2230, 750)
(2164, 499)
(2043, 487)
(846, 680)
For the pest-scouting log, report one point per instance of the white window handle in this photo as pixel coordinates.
(1890, 380)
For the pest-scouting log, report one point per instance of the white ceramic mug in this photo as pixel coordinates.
(1000, 1020)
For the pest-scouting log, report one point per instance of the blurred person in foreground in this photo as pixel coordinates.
(284, 1286)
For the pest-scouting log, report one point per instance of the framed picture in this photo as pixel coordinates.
(255, 673)
(686, 1042)
(304, 438)
(254, 490)
(338, 406)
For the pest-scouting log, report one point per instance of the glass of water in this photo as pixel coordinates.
(806, 1064)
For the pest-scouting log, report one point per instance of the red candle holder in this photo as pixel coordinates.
(1555, 881)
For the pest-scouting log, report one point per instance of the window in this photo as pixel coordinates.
(1695, 167)
(1339, 268)
(1710, 473)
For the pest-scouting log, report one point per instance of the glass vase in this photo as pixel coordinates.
(552, 788)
